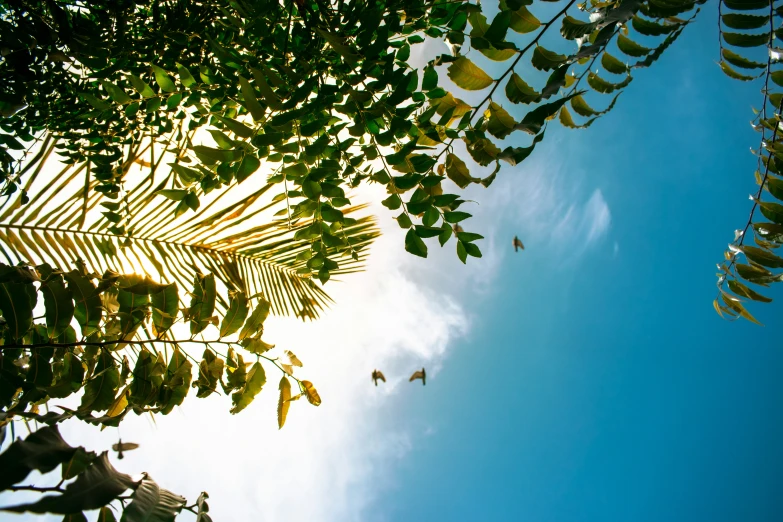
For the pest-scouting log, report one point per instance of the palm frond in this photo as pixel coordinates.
(233, 234)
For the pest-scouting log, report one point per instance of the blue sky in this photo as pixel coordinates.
(604, 387)
(585, 379)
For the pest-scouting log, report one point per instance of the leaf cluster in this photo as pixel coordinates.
(131, 352)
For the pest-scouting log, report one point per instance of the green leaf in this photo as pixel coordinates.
(612, 64)
(106, 515)
(237, 127)
(497, 30)
(150, 503)
(746, 5)
(249, 165)
(96, 487)
(337, 44)
(772, 211)
(173, 194)
(462, 254)
(603, 86)
(500, 123)
(211, 156)
(116, 93)
(518, 91)
(95, 102)
(573, 28)
(271, 99)
(467, 75)
(185, 77)
(762, 257)
(535, 119)
(457, 171)
(165, 306)
(210, 370)
(250, 100)
(736, 305)
(202, 304)
(731, 73)
(163, 80)
(455, 217)
(742, 290)
(100, 389)
(522, 21)
(745, 40)
(744, 21)
(256, 378)
(141, 86)
(775, 187)
(255, 322)
(79, 462)
(630, 47)
(43, 450)
(69, 378)
(235, 315)
(649, 28)
(58, 303)
(740, 61)
(176, 382)
(545, 60)
(430, 80)
(17, 301)
(414, 244)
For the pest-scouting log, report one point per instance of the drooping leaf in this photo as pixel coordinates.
(255, 322)
(100, 388)
(311, 393)
(58, 303)
(94, 488)
(256, 378)
(163, 80)
(236, 314)
(202, 304)
(150, 503)
(745, 40)
(17, 301)
(468, 75)
(42, 450)
(283, 402)
(740, 61)
(88, 310)
(165, 306)
(518, 91)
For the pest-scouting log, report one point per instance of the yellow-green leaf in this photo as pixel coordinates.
(468, 75)
(284, 402)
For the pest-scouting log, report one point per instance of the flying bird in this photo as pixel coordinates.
(376, 375)
(123, 446)
(419, 374)
(518, 244)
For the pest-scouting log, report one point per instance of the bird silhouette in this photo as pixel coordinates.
(518, 244)
(376, 375)
(419, 374)
(123, 446)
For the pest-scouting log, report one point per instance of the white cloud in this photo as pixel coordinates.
(328, 463)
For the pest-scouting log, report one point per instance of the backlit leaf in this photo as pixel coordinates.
(467, 75)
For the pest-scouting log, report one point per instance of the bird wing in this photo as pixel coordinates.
(416, 375)
(125, 446)
(381, 377)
